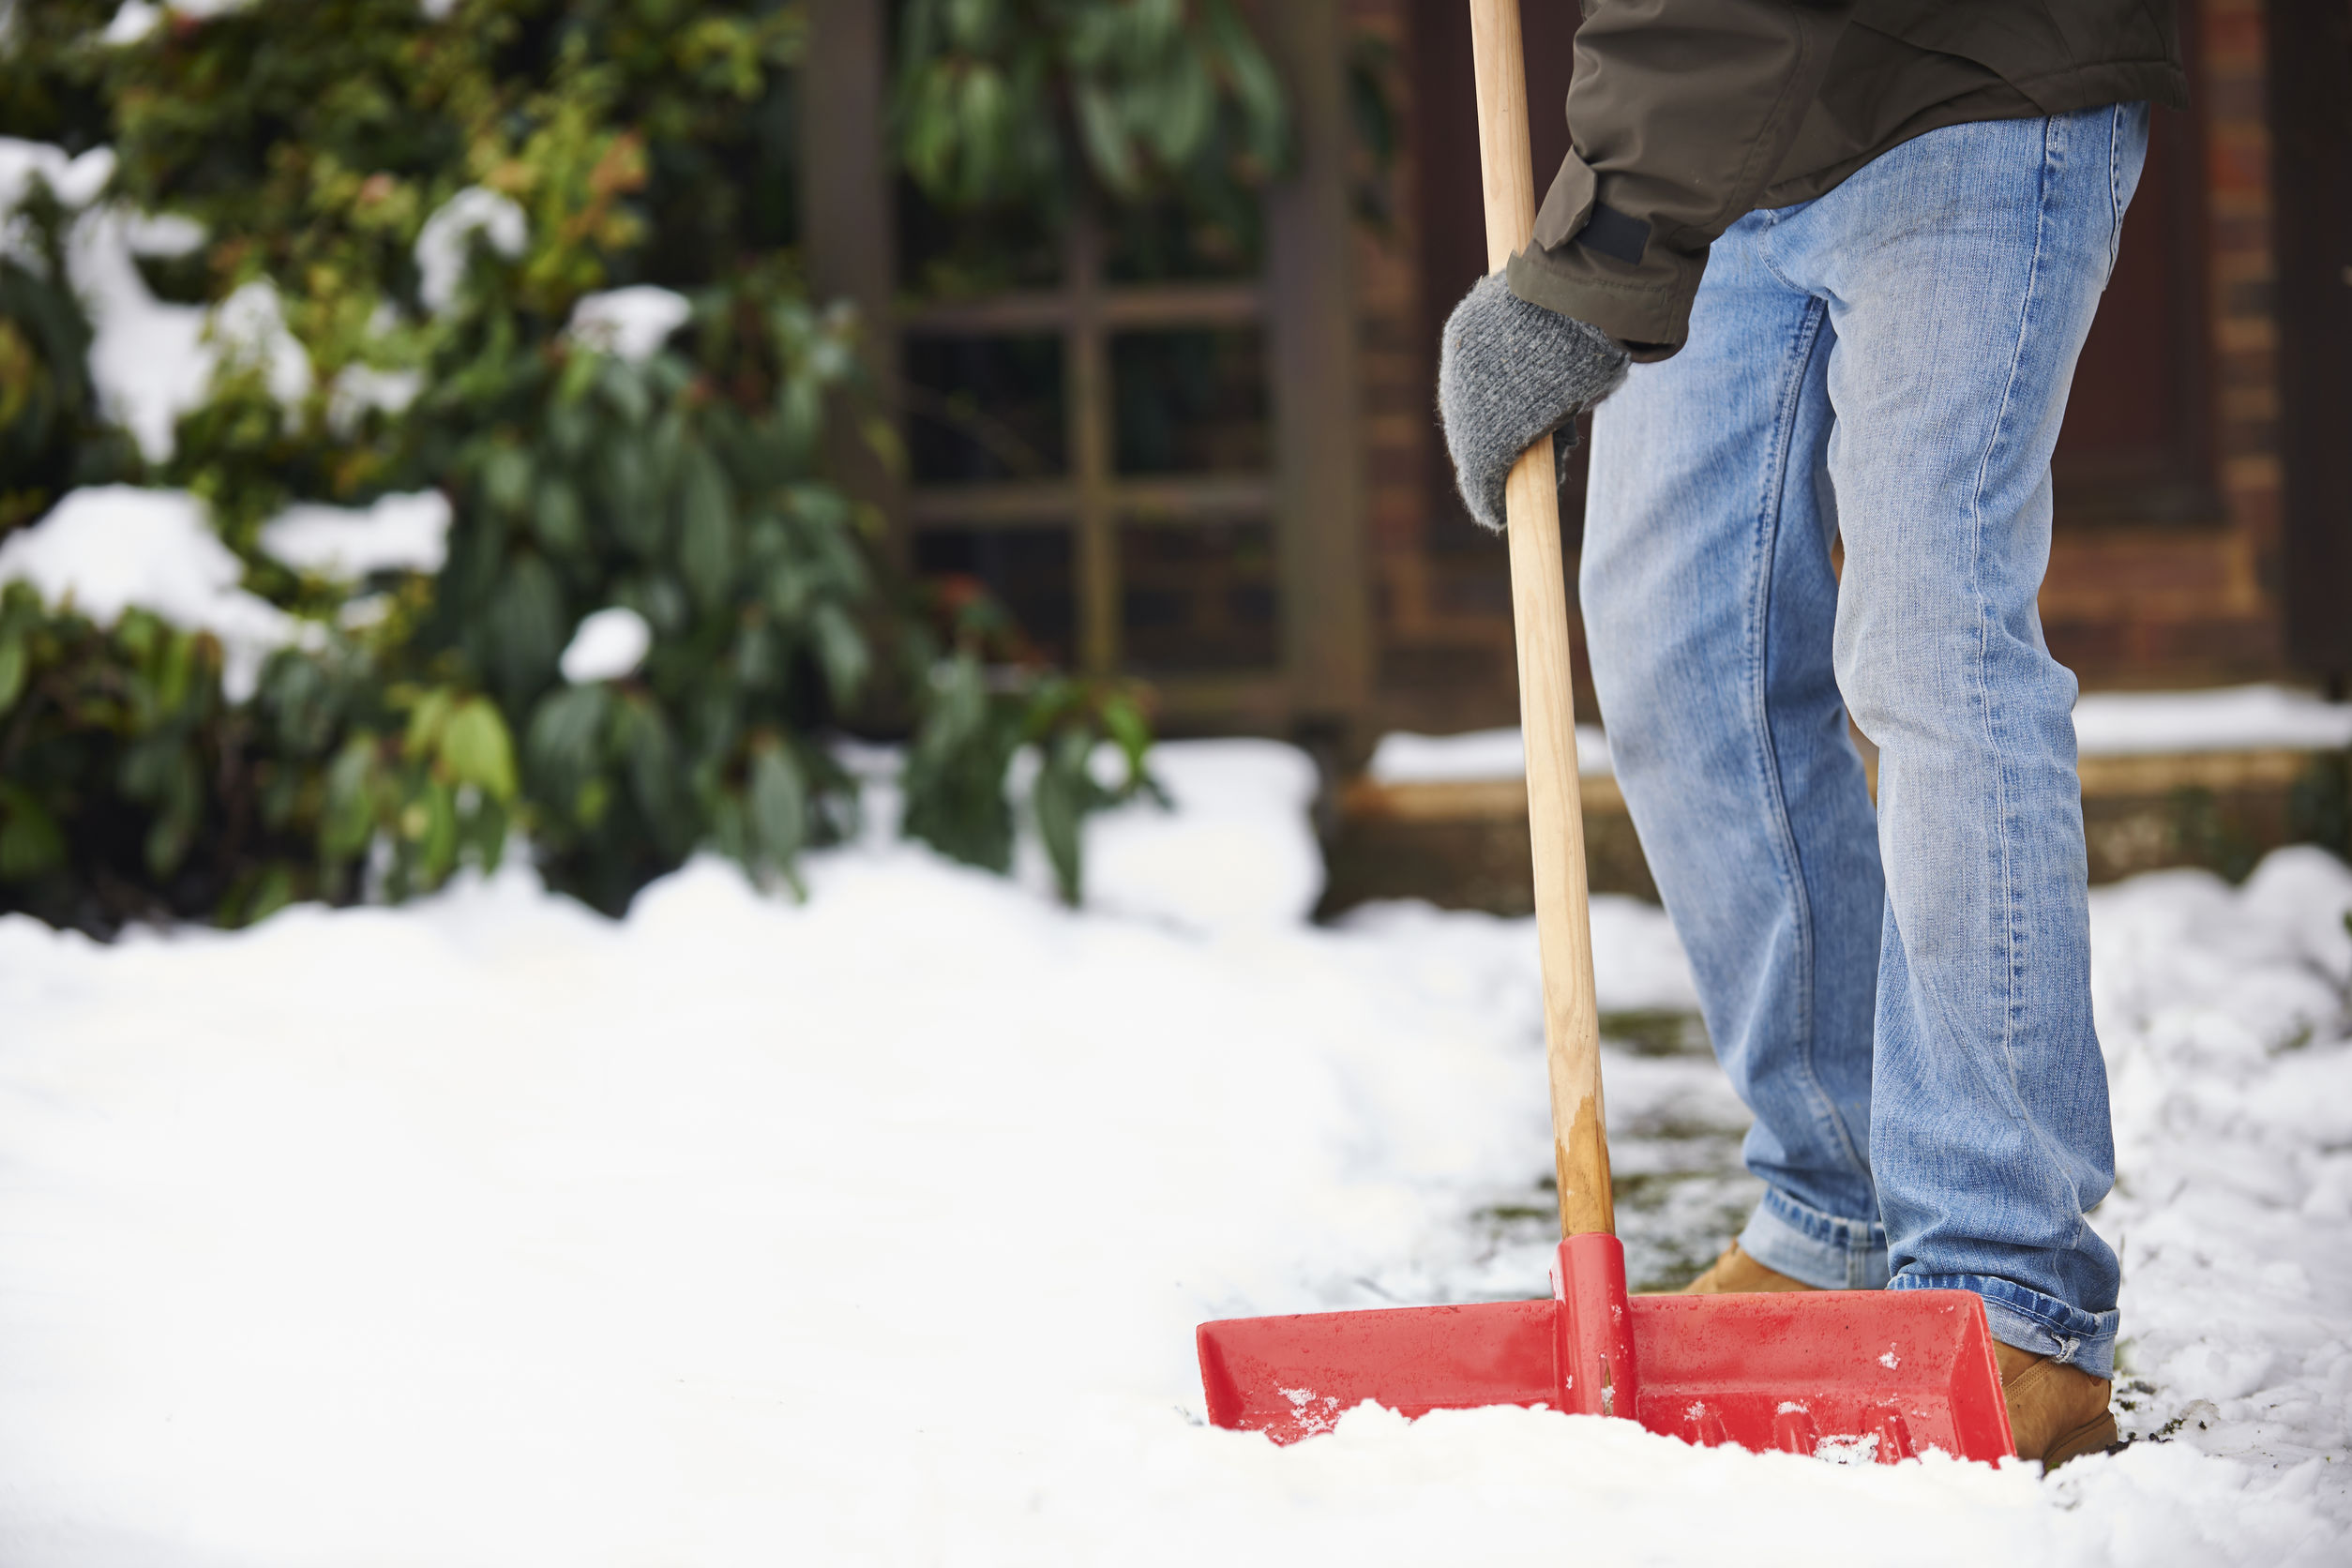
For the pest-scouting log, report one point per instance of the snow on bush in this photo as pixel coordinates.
(139, 17)
(148, 357)
(152, 360)
(691, 486)
(633, 322)
(608, 646)
(396, 533)
(104, 549)
(74, 180)
(445, 244)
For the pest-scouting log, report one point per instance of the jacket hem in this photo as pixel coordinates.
(1652, 318)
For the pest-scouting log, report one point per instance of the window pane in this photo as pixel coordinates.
(946, 254)
(1026, 568)
(1200, 598)
(1170, 242)
(984, 408)
(1191, 403)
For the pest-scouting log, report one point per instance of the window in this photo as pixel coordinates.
(1099, 453)
(1153, 454)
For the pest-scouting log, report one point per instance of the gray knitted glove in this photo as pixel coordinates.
(1509, 372)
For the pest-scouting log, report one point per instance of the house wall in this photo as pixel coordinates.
(2135, 604)
(2167, 577)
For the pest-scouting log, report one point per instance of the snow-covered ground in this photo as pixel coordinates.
(873, 1230)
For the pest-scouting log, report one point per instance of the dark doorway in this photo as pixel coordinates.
(2310, 131)
(2136, 448)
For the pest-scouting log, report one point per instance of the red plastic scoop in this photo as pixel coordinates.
(1853, 1375)
(1847, 1374)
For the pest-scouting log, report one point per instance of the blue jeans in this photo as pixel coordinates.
(1902, 995)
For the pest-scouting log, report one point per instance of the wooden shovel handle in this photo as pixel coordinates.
(1539, 610)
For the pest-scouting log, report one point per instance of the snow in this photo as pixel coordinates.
(148, 357)
(873, 1228)
(162, 234)
(1231, 859)
(608, 646)
(106, 548)
(2231, 718)
(2106, 724)
(1403, 758)
(396, 532)
(2223, 1013)
(139, 17)
(359, 388)
(631, 323)
(75, 181)
(152, 361)
(132, 22)
(445, 244)
(251, 326)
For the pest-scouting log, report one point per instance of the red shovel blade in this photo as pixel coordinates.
(1856, 1375)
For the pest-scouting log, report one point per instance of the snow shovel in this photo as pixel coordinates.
(1851, 1375)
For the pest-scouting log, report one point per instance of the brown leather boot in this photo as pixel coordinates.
(2056, 1412)
(1737, 1273)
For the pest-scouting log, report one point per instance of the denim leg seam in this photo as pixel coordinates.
(2013, 1014)
(2005, 871)
(1805, 344)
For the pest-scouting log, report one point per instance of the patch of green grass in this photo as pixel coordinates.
(1657, 1032)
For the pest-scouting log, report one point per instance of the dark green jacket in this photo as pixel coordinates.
(1685, 115)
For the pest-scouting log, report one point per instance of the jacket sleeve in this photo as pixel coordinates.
(1679, 112)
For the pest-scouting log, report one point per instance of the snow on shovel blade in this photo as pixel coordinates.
(1291, 1378)
(1850, 1375)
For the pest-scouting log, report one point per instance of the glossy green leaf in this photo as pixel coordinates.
(30, 839)
(476, 749)
(506, 480)
(841, 651)
(15, 665)
(349, 820)
(779, 804)
(706, 543)
(557, 520)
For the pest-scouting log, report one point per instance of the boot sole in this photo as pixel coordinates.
(2091, 1437)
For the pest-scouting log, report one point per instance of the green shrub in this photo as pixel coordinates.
(685, 489)
(988, 702)
(644, 141)
(131, 789)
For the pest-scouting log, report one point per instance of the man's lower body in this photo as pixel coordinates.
(1901, 996)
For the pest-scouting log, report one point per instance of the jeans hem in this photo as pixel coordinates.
(2033, 1322)
(1824, 1251)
